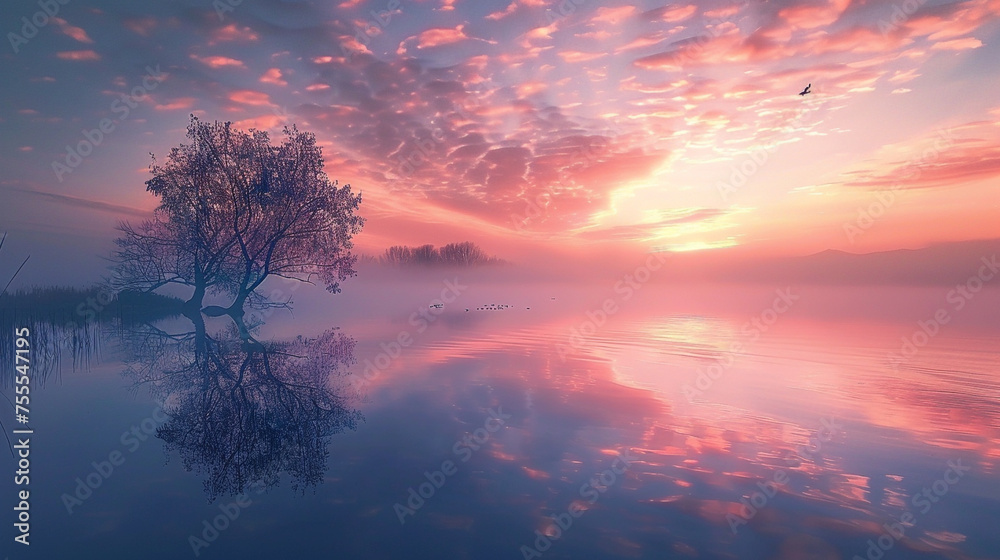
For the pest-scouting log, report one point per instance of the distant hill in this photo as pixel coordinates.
(937, 264)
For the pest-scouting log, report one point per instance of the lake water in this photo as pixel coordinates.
(688, 422)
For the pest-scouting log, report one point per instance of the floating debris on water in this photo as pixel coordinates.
(494, 307)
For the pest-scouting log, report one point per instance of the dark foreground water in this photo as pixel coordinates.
(676, 422)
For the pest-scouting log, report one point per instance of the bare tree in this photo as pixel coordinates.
(425, 254)
(397, 255)
(464, 254)
(235, 210)
(162, 251)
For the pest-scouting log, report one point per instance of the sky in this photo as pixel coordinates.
(578, 127)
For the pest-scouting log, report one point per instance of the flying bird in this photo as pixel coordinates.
(805, 91)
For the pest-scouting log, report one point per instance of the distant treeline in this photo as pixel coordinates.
(60, 305)
(453, 254)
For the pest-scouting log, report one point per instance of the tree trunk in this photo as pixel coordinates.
(236, 309)
(200, 336)
(196, 298)
(199, 288)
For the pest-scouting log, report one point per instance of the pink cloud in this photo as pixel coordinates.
(671, 14)
(72, 31)
(576, 57)
(526, 89)
(724, 12)
(811, 16)
(613, 15)
(542, 32)
(944, 161)
(179, 103)
(648, 39)
(232, 32)
(87, 55)
(219, 61)
(249, 97)
(141, 26)
(263, 122)
(951, 20)
(903, 76)
(724, 45)
(503, 13)
(602, 35)
(957, 44)
(273, 76)
(645, 231)
(351, 44)
(440, 36)
(857, 39)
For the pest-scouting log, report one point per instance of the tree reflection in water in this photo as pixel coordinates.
(242, 411)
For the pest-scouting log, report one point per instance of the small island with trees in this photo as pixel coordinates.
(464, 254)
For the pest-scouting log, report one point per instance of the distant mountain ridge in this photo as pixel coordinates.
(943, 263)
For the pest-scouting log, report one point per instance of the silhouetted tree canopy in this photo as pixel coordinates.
(235, 210)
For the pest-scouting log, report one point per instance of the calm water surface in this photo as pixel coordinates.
(671, 428)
